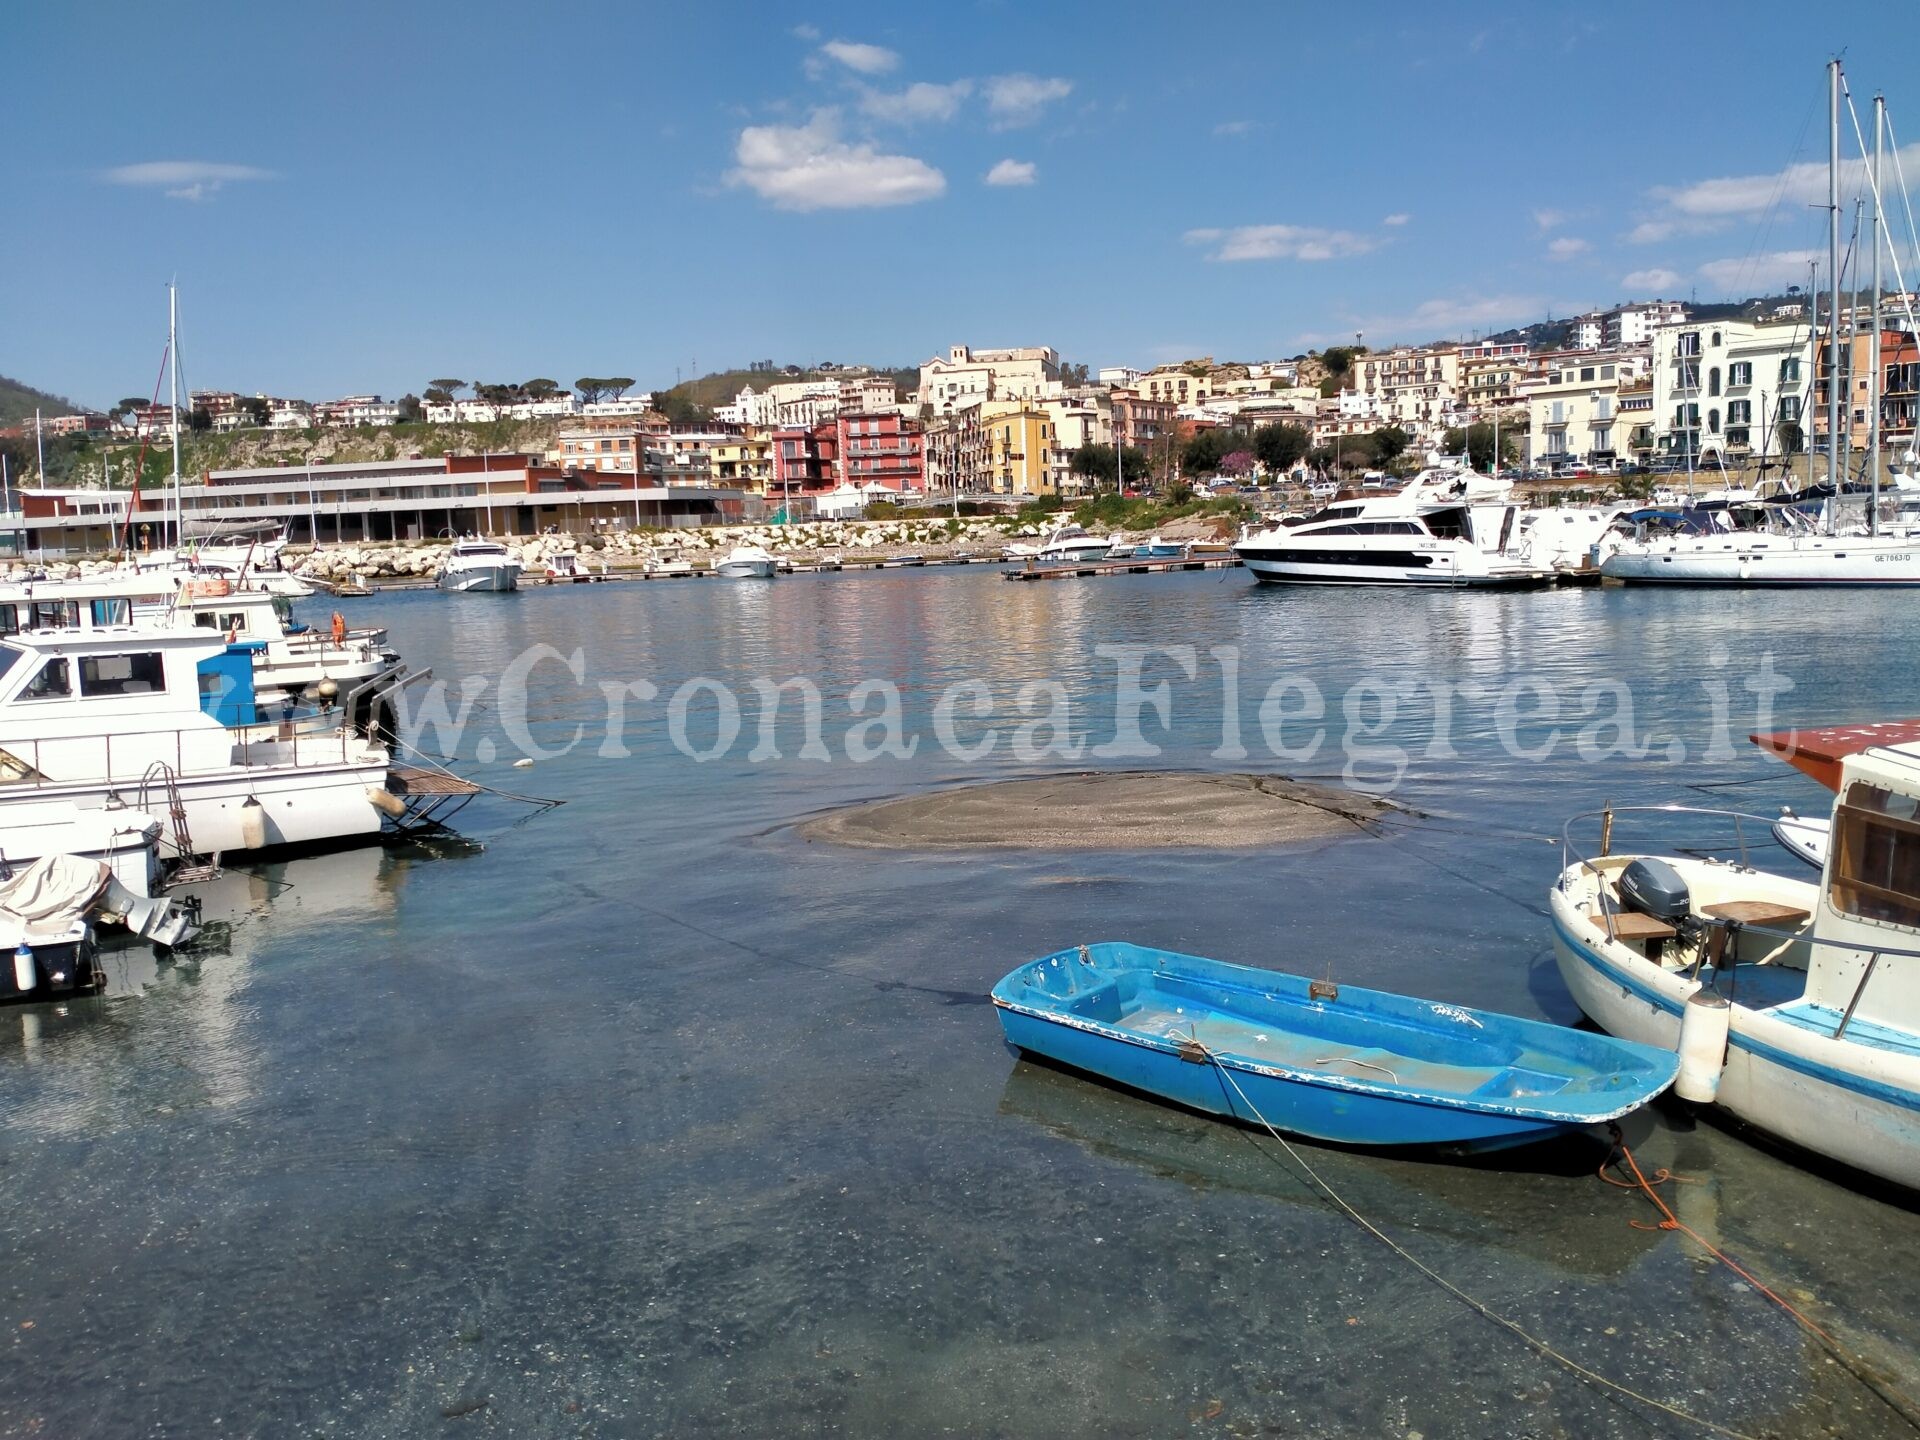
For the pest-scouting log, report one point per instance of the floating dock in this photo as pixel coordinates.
(1124, 567)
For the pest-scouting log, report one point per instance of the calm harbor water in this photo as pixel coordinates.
(645, 1115)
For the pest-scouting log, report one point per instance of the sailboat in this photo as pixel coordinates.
(1784, 549)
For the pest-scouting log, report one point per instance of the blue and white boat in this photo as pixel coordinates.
(1795, 1005)
(1331, 1062)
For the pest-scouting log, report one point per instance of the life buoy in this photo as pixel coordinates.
(339, 628)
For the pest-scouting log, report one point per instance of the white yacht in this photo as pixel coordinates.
(1795, 1004)
(1561, 537)
(478, 565)
(293, 657)
(1781, 550)
(166, 719)
(1436, 531)
(1070, 543)
(745, 562)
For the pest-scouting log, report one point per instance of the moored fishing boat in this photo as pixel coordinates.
(1795, 1004)
(1331, 1062)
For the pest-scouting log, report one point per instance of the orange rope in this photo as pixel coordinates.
(1673, 1222)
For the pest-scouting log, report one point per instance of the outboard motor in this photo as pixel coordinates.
(1653, 887)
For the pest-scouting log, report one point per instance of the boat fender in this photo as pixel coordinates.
(253, 824)
(23, 976)
(387, 801)
(1704, 1025)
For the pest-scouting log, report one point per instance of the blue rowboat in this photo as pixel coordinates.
(1336, 1063)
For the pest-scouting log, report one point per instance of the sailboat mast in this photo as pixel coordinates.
(173, 356)
(1833, 278)
(1873, 345)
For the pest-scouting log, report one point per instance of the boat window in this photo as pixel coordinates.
(52, 683)
(1448, 524)
(140, 674)
(1876, 855)
(55, 615)
(112, 612)
(10, 622)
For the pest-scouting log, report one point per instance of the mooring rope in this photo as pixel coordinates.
(1592, 1377)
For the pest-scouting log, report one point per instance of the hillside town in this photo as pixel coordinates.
(1642, 387)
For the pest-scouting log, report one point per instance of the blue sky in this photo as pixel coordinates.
(364, 197)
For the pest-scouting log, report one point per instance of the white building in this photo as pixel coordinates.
(625, 405)
(967, 375)
(1587, 332)
(1123, 377)
(481, 412)
(1631, 325)
(1728, 386)
(749, 407)
(1573, 411)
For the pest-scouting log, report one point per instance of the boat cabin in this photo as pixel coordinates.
(1870, 894)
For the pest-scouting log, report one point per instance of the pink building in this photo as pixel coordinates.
(804, 459)
(879, 448)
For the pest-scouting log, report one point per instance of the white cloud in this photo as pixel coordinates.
(1650, 282)
(1281, 242)
(867, 59)
(1021, 99)
(1565, 247)
(805, 32)
(184, 179)
(1397, 219)
(808, 167)
(1233, 127)
(1702, 207)
(1549, 219)
(919, 101)
(1013, 172)
(1750, 274)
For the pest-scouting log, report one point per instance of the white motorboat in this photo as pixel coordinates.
(1805, 836)
(745, 562)
(1561, 537)
(478, 566)
(667, 567)
(1069, 544)
(126, 841)
(1795, 1004)
(165, 718)
(1429, 533)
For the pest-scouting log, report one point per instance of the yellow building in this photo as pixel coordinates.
(744, 461)
(1023, 453)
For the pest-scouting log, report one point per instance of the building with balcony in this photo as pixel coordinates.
(1022, 456)
(1731, 388)
(1573, 415)
(1414, 387)
(878, 448)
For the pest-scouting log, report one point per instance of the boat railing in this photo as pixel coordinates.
(289, 744)
(1570, 853)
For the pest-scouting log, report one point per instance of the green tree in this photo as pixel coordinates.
(590, 388)
(258, 411)
(410, 411)
(127, 407)
(541, 389)
(617, 385)
(1280, 447)
(437, 395)
(199, 418)
(1389, 443)
(1094, 462)
(1478, 440)
(449, 388)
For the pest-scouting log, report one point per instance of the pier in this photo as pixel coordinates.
(1088, 568)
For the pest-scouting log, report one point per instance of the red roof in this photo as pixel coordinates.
(1819, 751)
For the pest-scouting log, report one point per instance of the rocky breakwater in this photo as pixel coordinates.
(634, 549)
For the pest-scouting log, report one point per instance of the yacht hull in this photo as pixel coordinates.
(1770, 563)
(744, 569)
(478, 579)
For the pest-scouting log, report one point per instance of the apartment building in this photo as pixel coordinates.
(1731, 387)
(1139, 421)
(1573, 412)
(1022, 451)
(966, 375)
(1414, 387)
(1190, 383)
(878, 448)
(744, 460)
(955, 449)
(1627, 326)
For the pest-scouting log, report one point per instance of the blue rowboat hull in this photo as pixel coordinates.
(1359, 1067)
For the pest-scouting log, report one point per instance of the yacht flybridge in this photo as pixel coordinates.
(1445, 527)
(165, 720)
